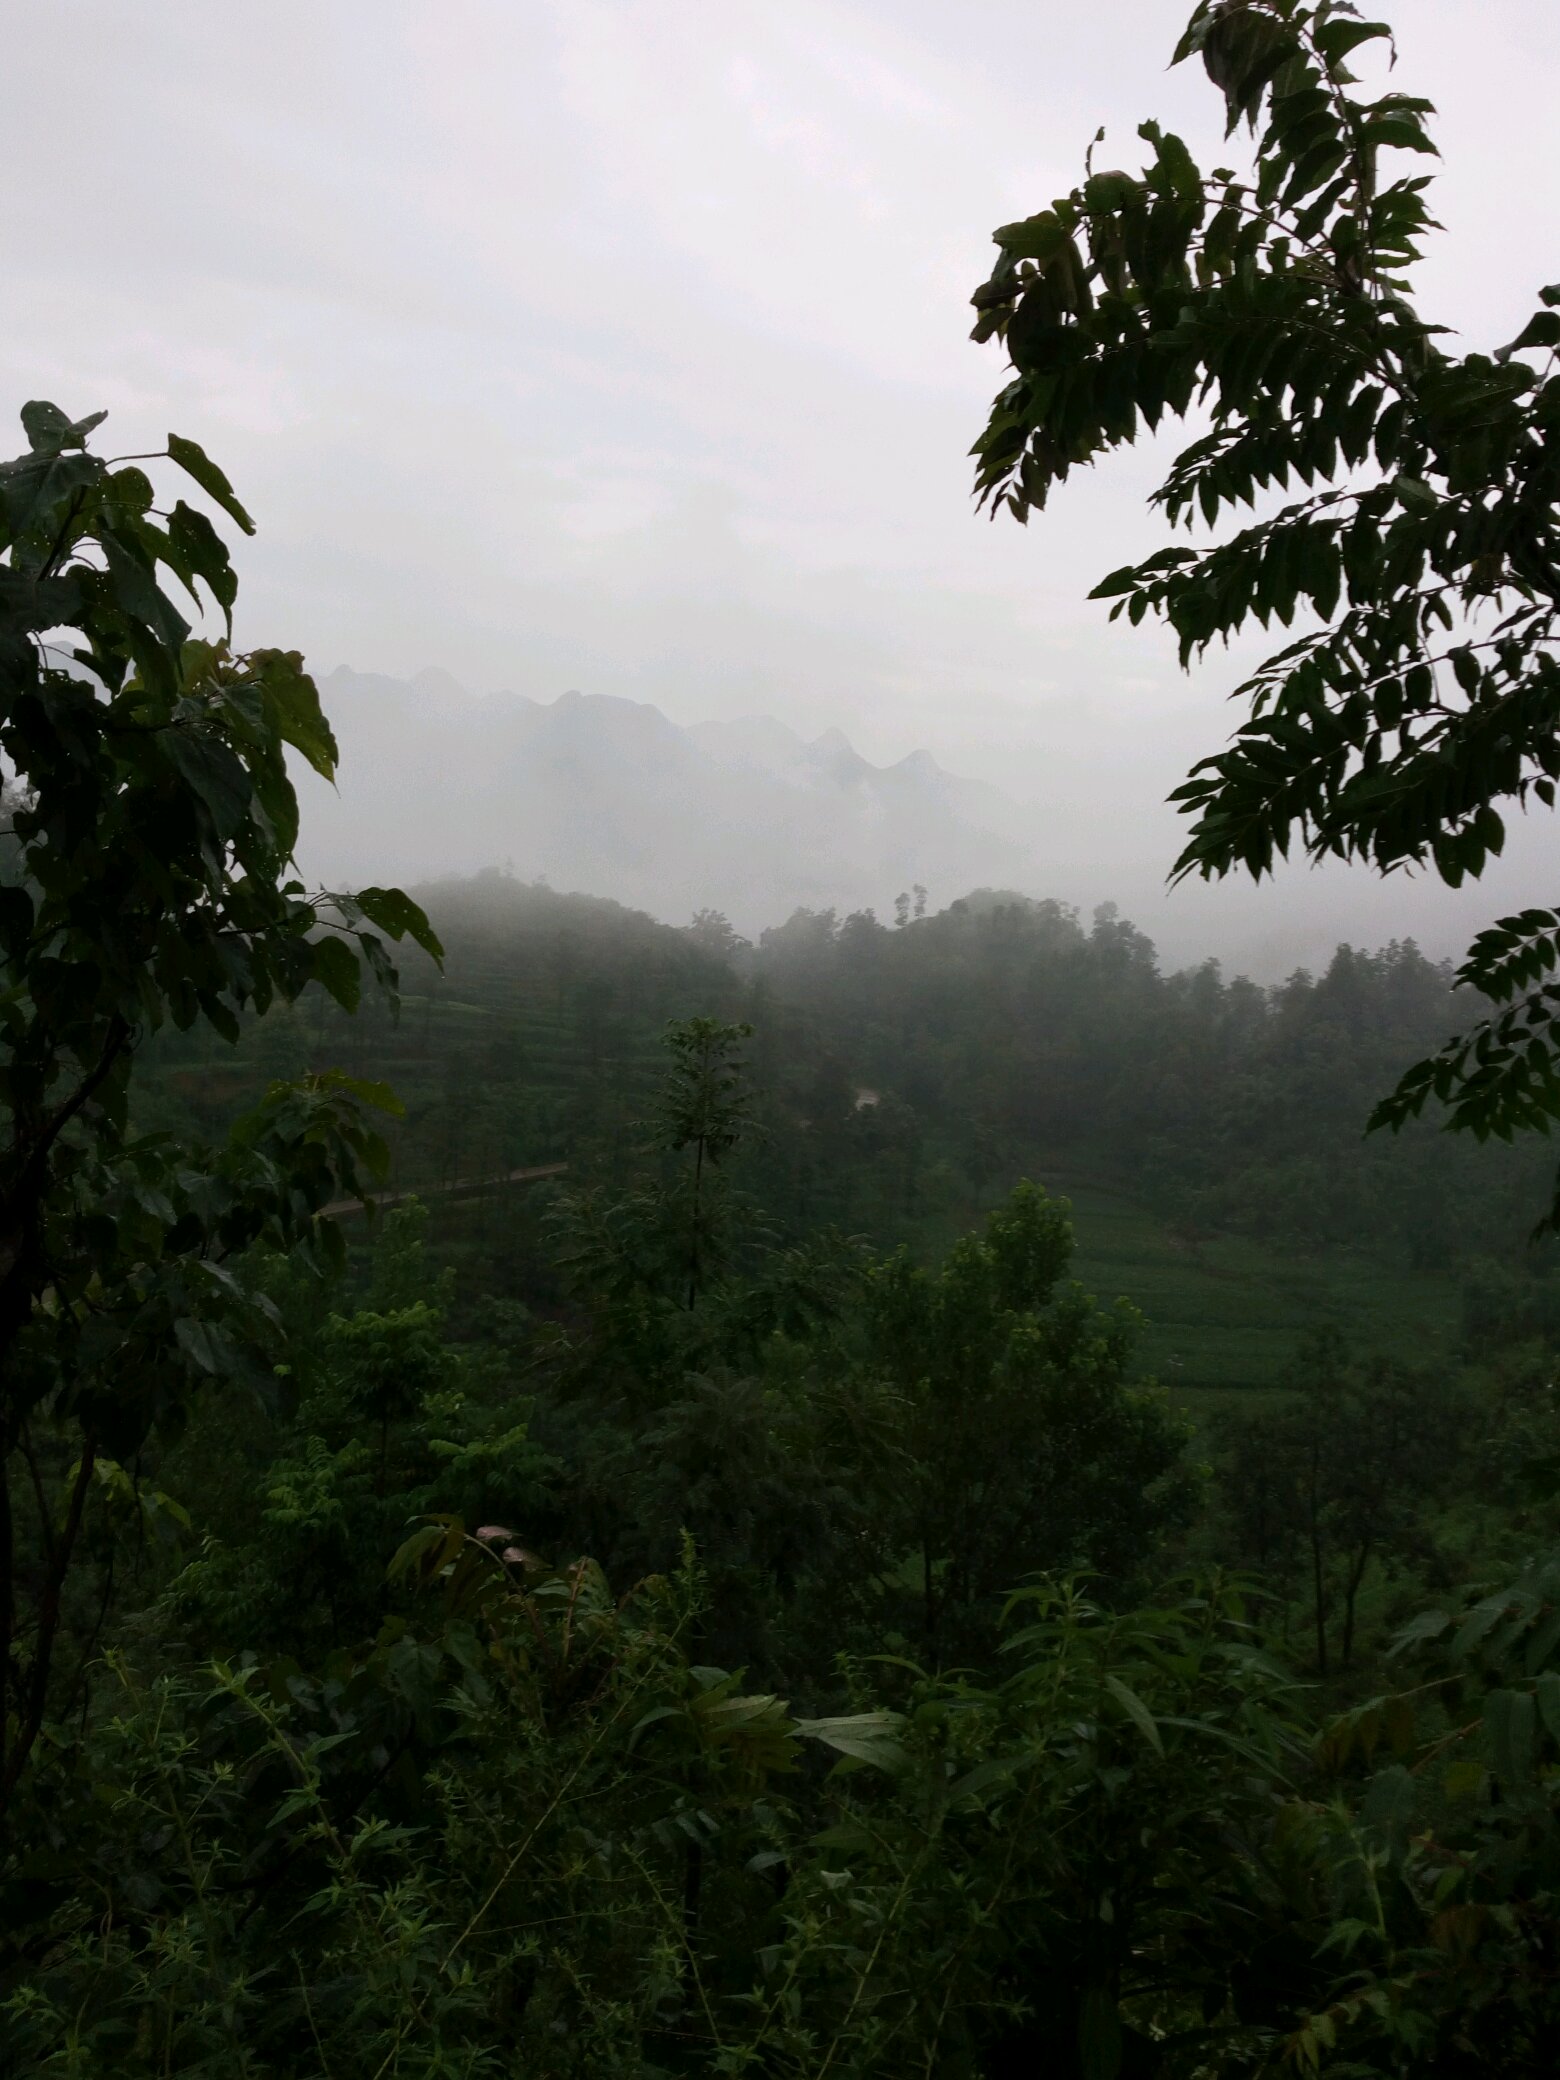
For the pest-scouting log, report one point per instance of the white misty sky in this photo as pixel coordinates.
(622, 344)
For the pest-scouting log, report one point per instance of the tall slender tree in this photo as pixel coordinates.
(705, 1106)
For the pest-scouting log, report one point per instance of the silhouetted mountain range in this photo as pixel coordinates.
(608, 796)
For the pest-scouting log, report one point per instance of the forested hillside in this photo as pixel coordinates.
(1210, 1132)
(696, 1360)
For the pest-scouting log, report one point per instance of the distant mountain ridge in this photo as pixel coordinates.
(610, 797)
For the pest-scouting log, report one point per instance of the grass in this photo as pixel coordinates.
(1227, 1315)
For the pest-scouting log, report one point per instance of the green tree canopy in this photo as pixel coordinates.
(1403, 493)
(147, 879)
(1025, 1445)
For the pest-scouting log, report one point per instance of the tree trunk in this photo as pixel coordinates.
(693, 1254)
(1317, 1594)
(7, 1595)
(1314, 1533)
(30, 1715)
(1351, 1591)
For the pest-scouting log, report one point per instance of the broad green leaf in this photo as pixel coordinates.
(275, 796)
(1511, 1718)
(133, 579)
(336, 966)
(1545, 1636)
(656, 1716)
(383, 969)
(37, 493)
(1036, 238)
(395, 912)
(1138, 1712)
(1337, 38)
(48, 430)
(431, 1546)
(203, 1344)
(732, 1719)
(128, 491)
(1127, 579)
(1415, 494)
(293, 704)
(211, 771)
(1110, 191)
(1541, 330)
(1404, 133)
(875, 1738)
(1427, 1625)
(1465, 1779)
(194, 460)
(1000, 1770)
(198, 551)
(1546, 1695)
(16, 917)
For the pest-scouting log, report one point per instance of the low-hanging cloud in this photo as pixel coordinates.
(621, 344)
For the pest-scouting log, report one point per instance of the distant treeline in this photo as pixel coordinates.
(905, 1074)
(1007, 1024)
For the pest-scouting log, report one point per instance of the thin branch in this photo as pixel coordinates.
(24, 1445)
(29, 1181)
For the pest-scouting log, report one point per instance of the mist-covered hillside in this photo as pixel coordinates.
(608, 796)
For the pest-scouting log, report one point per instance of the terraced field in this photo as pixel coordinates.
(489, 1088)
(1226, 1316)
(541, 1045)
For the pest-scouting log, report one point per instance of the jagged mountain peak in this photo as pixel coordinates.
(834, 742)
(749, 740)
(609, 796)
(919, 762)
(433, 683)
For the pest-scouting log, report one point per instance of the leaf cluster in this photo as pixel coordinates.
(145, 881)
(1418, 532)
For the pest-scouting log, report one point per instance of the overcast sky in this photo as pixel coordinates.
(622, 345)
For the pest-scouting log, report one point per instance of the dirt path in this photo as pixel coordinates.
(460, 1184)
